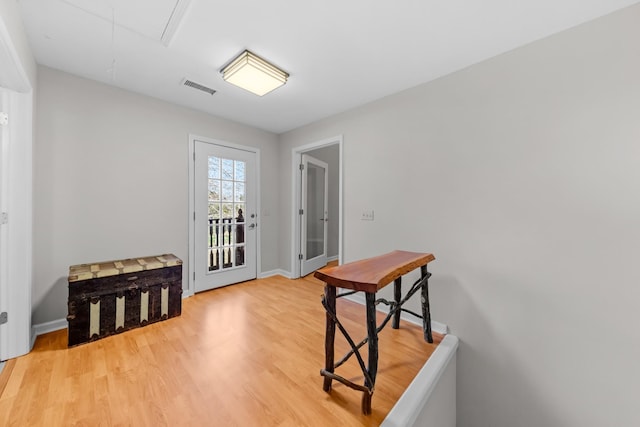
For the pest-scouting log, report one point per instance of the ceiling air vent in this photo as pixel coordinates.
(198, 86)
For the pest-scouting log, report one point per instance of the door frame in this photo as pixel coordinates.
(192, 205)
(296, 154)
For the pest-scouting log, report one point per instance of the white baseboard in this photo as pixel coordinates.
(44, 328)
(436, 326)
(332, 258)
(276, 272)
(430, 399)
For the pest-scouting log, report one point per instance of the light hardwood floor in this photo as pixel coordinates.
(244, 355)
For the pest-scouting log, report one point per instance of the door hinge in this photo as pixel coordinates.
(300, 257)
(4, 218)
(194, 156)
(301, 211)
(194, 275)
(194, 215)
(4, 318)
(301, 167)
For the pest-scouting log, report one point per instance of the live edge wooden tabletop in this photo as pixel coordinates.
(372, 274)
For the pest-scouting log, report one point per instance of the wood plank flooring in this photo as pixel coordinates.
(244, 355)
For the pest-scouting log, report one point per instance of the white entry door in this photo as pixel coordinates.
(225, 215)
(314, 214)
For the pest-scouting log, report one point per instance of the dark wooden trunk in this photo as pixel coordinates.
(118, 296)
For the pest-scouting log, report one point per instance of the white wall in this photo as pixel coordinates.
(111, 180)
(521, 174)
(331, 156)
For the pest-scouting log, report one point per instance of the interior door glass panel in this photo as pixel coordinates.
(315, 211)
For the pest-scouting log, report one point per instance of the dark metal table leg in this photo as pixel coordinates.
(426, 311)
(397, 296)
(330, 298)
(372, 334)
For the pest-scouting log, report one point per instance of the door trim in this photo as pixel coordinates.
(190, 290)
(295, 197)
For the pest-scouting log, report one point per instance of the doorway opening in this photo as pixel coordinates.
(316, 227)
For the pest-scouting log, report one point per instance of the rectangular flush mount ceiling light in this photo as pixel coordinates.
(254, 74)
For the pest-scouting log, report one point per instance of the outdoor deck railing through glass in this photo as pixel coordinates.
(226, 242)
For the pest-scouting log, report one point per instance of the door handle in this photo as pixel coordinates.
(252, 226)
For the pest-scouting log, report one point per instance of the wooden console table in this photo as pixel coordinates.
(369, 276)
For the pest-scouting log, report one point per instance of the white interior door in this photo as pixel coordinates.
(16, 99)
(225, 215)
(314, 214)
(4, 166)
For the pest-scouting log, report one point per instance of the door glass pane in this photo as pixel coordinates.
(227, 210)
(240, 171)
(227, 191)
(214, 167)
(239, 230)
(227, 169)
(315, 211)
(214, 190)
(226, 242)
(214, 210)
(239, 192)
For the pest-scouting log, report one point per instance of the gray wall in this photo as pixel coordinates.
(111, 180)
(331, 156)
(521, 174)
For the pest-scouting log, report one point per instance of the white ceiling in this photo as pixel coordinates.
(340, 53)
